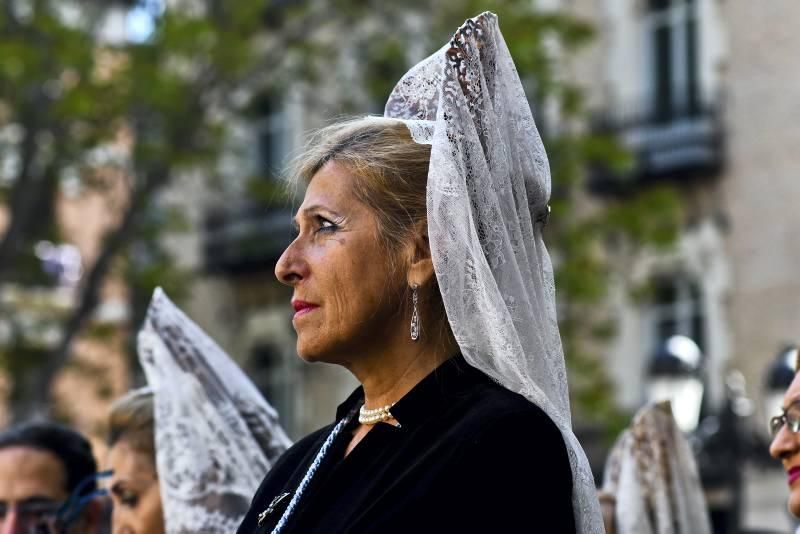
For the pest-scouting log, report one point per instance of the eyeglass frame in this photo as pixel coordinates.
(777, 422)
(59, 516)
(34, 516)
(72, 508)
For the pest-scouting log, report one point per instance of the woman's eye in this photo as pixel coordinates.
(129, 499)
(324, 225)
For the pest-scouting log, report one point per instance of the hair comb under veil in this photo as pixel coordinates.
(487, 201)
(216, 436)
(652, 476)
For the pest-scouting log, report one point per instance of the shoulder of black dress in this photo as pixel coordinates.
(492, 406)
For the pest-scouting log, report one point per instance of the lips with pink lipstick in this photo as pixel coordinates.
(302, 307)
(793, 474)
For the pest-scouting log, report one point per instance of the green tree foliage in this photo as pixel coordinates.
(67, 94)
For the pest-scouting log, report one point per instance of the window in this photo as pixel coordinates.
(272, 136)
(671, 45)
(677, 310)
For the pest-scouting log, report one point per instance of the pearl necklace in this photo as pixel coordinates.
(377, 415)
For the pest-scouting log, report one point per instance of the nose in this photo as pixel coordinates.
(121, 521)
(291, 267)
(784, 444)
(11, 524)
(122, 529)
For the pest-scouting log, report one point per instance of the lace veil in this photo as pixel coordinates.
(652, 475)
(216, 436)
(487, 201)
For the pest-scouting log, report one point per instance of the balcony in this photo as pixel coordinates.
(246, 239)
(666, 145)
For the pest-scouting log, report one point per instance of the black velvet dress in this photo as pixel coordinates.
(469, 456)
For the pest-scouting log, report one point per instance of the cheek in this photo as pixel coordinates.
(152, 515)
(358, 294)
(126, 519)
(794, 501)
(363, 288)
(145, 517)
(343, 272)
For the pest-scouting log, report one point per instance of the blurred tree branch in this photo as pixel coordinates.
(68, 89)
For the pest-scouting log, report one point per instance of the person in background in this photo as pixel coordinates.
(48, 481)
(651, 483)
(785, 444)
(134, 484)
(216, 435)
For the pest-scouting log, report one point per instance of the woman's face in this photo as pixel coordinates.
(345, 299)
(134, 492)
(786, 448)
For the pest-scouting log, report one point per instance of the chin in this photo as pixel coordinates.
(794, 501)
(323, 351)
(311, 353)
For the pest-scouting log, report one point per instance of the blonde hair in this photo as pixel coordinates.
(132, 421)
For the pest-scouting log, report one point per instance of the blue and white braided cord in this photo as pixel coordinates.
(301, 488)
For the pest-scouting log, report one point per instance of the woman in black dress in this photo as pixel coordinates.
(419, 266)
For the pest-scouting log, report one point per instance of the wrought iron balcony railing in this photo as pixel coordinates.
(246, 239)
(671, 144)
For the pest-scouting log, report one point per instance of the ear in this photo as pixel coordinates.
(420, 270)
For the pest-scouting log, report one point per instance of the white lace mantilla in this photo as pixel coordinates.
(216, 436)
(652, 474)
(488, 191)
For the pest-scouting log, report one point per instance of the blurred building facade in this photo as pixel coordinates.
(702, 93)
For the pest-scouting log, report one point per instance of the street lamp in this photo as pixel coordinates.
(779, 375)
(675, 374)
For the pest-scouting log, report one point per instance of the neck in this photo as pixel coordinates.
(388, 374)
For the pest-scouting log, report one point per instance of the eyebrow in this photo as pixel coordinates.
(38, 499)
(35, 500)
(314, 208)
(794, 399)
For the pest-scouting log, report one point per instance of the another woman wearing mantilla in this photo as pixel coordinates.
(419, 266)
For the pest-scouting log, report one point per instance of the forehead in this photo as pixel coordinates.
(793, 393)
(130, 464)
(27, 472)
(330, 187)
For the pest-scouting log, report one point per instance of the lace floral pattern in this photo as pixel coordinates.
(488, 185)
(652, 474)
(216, 436)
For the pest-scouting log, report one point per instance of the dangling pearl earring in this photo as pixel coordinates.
(414, 314)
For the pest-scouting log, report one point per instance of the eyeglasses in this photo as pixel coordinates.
(790, 417)
(35, 516)
(46, 516)
(72, 508)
